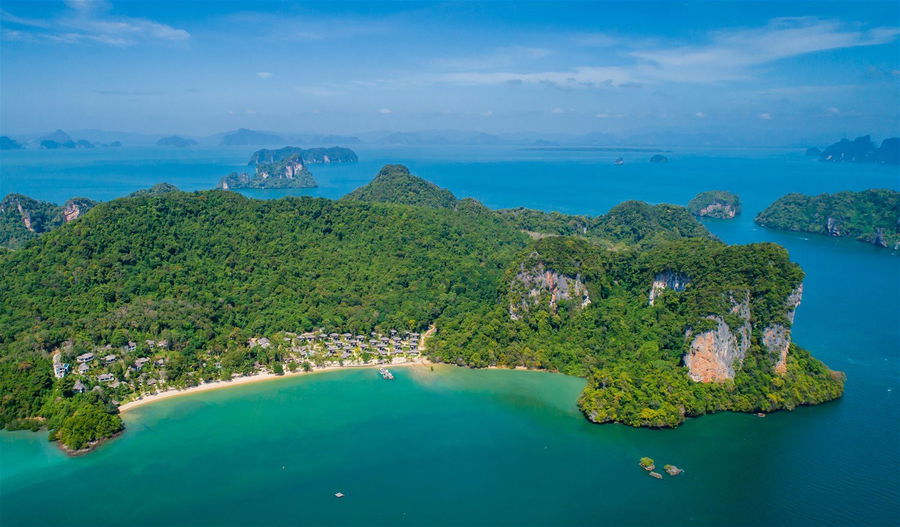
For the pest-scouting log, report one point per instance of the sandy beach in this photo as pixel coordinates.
(257, 377)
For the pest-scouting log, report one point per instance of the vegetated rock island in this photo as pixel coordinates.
(871, 216)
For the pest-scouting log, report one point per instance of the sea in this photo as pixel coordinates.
(454, 446)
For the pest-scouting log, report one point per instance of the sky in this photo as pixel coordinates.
(773, 71)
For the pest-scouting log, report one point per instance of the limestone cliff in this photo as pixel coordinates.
(715, 355)
(536, 285)
(667, 280)
(777, 337)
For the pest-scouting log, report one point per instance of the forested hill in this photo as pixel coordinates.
(394, 184)
(629, 223)
(200, 276)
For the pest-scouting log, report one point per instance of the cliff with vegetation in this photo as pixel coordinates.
(715, 204)
(173, 289)
(23, 218)
(289, 172)
(871, 216)
(310, 156)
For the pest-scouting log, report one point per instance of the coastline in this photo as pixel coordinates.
(247, 379)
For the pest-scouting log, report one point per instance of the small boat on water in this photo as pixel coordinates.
(386, 374)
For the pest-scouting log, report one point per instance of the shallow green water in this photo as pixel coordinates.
(463, 447)
(447, 447)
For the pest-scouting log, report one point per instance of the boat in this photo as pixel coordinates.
(386, 374)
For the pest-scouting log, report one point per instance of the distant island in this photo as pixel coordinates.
(860, 150)
(176, 141)
(23, 218)
(663, 320)
(715, 204)
(289, 172)
(7, 143)
(659, 158)
(871, 216)
(244, 137)
(309, 156)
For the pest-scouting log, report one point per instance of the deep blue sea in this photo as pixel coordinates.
(463, 447)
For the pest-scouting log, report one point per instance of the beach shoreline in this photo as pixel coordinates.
(256, 377)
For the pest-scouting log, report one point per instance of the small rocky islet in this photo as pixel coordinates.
(649, 465)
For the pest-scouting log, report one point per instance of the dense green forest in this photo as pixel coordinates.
(872, 216)
(23, 218)
(184, 280)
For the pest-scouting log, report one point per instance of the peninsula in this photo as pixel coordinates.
(663, 320)
(871, 216)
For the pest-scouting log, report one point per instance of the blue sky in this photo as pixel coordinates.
(778, 71)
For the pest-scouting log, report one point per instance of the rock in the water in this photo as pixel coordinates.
(656, 475)
(672, 470)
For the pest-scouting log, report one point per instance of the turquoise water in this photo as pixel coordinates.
(463, 447)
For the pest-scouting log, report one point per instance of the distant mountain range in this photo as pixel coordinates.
(265, 138)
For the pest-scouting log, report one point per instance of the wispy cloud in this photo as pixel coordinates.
(265, 74)
(88, 21)
(731, 53)
(727, 55)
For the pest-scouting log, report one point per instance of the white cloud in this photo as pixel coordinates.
(602, 115)
(833, 110)
(557, 110)
(765, 116)
(700, 115)
(583, 76)
(250, 112)
(87, 21)
(727, 55)
(385, 111)
(730, 53)
(488, 113)
(265, 74)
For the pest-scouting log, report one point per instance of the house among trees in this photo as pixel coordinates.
(85, 357)
(83, 368)
(60, 370)
(106, 377)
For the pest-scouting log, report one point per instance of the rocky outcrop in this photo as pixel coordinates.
(531, 287)
(718, 210)
(71, 211)
(719, 204)
(26, 217)
(714, 355)
(667, 280)
(776, 338)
